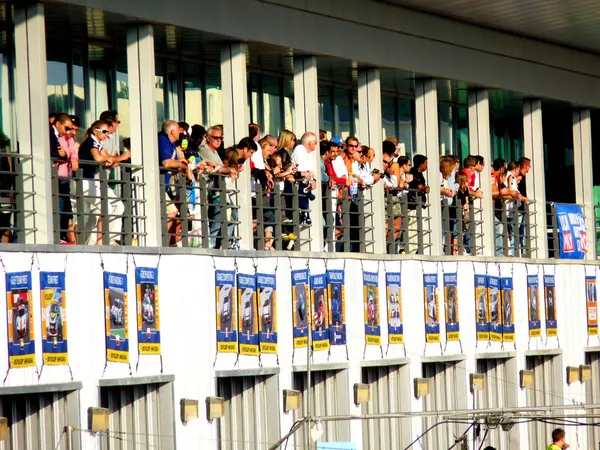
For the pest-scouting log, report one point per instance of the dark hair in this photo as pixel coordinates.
(109, 116)
(75, 121)
(558, 434)
(90, 130)
(324, 146)
(524, 160)
(322, 135)
(62, 118)
(479, 159)
(512, 166)
(198, 133)
(351, 138)
(388, 148)
(184, 125)
(418, 160)
(403, 160)
(470, 161)
(498, 164)
(246, 143)
(253, 130)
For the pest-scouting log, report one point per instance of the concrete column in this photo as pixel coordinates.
(533, 144)
(369, 112)
(584, 181)
(144, 143)
(306, 104)
(32, 120)
(235, 128)
(427, 140)
(479, 144)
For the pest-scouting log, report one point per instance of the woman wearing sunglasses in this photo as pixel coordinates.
(91, 150)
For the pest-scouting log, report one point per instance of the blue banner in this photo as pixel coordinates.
(226, 300)
(432, 307)
(54, 322)
(495, 306)
(267, 292)
(533, 306)
(248, 318)
(337, 308)
(148, 311)
(451, 303)
(508, 311)
(371, 301)
(320, 313)
(571, 231)
(117, 317)
(482, 311)
(591, 301)
(550, 297)
(21, 343)
(301, 307)
(393, 289)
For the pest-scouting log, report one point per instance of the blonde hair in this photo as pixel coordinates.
(286, 137)
(446, 166)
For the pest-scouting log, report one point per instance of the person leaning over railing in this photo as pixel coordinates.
(90, 150)
(417, 196)
(339, 182)
(446, 195)
(7, 187)
(305, 176)
(263, 175)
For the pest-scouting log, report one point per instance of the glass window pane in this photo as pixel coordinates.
(272, 105)
(173, 93)
(193, 94)
(58, 87)
(123, 105)
(214, 98)
(405, 125)
(446, 132)
(79, 91)
(254, 99)
(288, 103)
(325, 109)
(389, 117)
(343, 112)
(6, 123)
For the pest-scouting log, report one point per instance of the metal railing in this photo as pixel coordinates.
(348, 225)
(408, 222)
(14, 197)
(281, 223)
(101, 210)
(462, 228)
(200, 212)
(515, 229)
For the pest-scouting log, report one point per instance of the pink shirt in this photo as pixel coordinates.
(68, 144)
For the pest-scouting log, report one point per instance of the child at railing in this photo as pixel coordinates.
(460, 209)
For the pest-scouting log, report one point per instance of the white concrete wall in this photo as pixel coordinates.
(186, 284)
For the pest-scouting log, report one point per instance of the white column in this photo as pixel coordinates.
(306, 104)
(369, 112)
(32, 120)
(584, 182)
(533, 144)
(479, 144)
(235, 127)
(144, 142)
(427, 139)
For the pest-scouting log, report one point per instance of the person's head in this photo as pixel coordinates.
(499, 165)
(489, 447)
(99, 130)
(456, 160)
(524, 165)
(63, 124)
(254, 132)
(171, 129)
(246, 147)
(322, 135)
(469, 162)
(184, 127)
(231, 158)
(420, 162)
(334, 150)
(273, 141)
(287, 140)
(214, 137)
(198, 134)
(76, 124)
(309, 141)
(558, 437)
(392, 139)
(324, 147)
(479, 163)
(387, 163)
(388, 148)
(52, 117)
(446, 166)
(461, 180)
(513, 167)
(267, 146)
(274, 161)
(352, 146)
(404, 163)
(111, 117)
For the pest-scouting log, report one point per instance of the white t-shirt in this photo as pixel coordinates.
(258, 160)
(364, 172)
(339, 167)
(302, 159)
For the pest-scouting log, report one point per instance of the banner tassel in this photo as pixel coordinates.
(70, 371)
(39, 374)
(364, 351)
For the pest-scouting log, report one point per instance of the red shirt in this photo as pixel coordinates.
(332, 174)
(471, 177)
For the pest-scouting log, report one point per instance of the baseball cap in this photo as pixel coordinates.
(337, 140)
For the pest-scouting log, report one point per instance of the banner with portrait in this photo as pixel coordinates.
(495, 307)
(117, 317)
(482, 311)
(19, 317)
(508, 311)
(432, 307)
(393, 292)
(248, 317)
(300, 307)
(371, 303)
(337, 307)
(533, 306)
(148, 311)
(226, 300)
(451, 306)
(550, 300)
(591, 302)
(320, 312)
(54, 322)
(267, 312)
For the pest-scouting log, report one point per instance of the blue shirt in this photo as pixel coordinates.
(166, 150)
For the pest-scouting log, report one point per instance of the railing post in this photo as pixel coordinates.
(260, 221)
(203, 198)
(82, 235)
(104, 208)
(295, 215)
(126, 191)
(362, 235)
(183, 212)
(56, 198)
(18, 227)
(554, 224)
(347, 243)
(277, 239)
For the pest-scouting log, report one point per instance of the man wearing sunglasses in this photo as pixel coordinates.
(60, 127)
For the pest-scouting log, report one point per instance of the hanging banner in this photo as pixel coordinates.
(337, 307)
(371, 301)
(320, 313)
(54, 324)
(301, 305)
(508, 318)
(550, 297)
(248, 318)
(148, 312)
(592, 306)
(394, 306)
(117, 317)
(451, 304)
(495, 305)
(482, 312)
(267, 310)
(21, 343)
(571, 231)
(226, 299)
(533, 306)
(432, 308)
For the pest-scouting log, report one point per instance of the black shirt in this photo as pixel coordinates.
(85, 154)
(418, 180)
